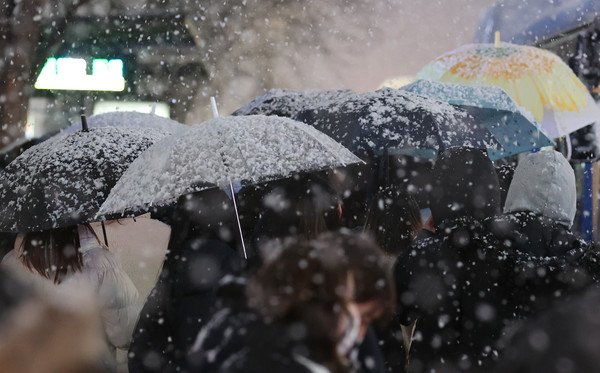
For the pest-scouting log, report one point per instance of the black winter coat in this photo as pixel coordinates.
(179, 305)
(233, 331)
(545, 262)
(276, 348)
(450, 285)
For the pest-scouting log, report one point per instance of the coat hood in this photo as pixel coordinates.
(465, 184)
(544, 183)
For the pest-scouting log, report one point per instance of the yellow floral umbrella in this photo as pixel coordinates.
(536, 79)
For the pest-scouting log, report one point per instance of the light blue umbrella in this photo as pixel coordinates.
(512, 126)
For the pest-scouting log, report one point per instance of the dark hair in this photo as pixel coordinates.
(303, 207)
(317, 271)
(394, 220)
(364, 259)
(205, 215)
(465, 184)
(300, 287)
(53, 253)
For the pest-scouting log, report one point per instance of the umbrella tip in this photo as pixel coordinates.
(497, 39)
(213, 104)
(84, 125)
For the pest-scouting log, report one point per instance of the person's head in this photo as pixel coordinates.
(205, 215)
(53, 253)
(544, 183)
(394, 219)
(372, 293)
(301, 207)
(300, 288)
(465, 184)
(337, 271)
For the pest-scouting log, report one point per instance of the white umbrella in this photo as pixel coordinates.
(245, 149)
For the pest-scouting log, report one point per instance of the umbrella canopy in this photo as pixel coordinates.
(288, 102)
(246, 149)
(130, 119)
(398, 122)
(536, 79)
(514, 128)
(64, 180)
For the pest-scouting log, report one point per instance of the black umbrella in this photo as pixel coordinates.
(399, 121)
(288, 102)
(127, 119)
(64, 180)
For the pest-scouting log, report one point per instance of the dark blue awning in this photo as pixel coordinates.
(533, 21)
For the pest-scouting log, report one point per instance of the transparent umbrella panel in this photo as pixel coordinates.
(241, 150)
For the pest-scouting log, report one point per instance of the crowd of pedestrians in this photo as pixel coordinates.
(477, 270)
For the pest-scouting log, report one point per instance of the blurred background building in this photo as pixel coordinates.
(178, 53)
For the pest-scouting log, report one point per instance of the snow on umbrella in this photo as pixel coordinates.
(64, 180)
(130, 119)
(245, 149)
(288, 102)
(513, 127)
(536, 79)
(398, 122)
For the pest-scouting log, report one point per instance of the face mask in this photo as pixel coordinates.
(350, 337)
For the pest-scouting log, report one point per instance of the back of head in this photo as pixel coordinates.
(53, 253)
(394, 219)
(544, 183)
(302, 207)
(465, 184)
(205, 215)
(288, 282)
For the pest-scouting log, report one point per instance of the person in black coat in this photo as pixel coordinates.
(203, 248)
(445, 283)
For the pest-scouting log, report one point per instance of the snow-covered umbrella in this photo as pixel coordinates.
(536, 79)
(512, 126)
(64, 180)
(131, 119)
(289, 102)
(398, 122)
(245, 150)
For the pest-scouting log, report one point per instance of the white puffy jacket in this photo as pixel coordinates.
(116, 296)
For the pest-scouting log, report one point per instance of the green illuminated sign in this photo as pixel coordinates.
(70, 73)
